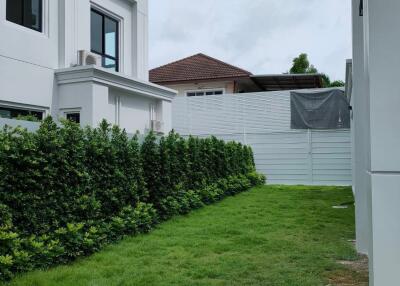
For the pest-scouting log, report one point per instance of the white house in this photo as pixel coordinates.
(80, 59)
(376, 118)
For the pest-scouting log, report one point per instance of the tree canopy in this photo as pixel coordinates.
(301, 65)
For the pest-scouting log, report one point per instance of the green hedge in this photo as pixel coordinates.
(66, 192)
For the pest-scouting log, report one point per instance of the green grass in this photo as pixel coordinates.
(272, 235)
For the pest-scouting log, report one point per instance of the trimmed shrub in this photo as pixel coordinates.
(65, 191)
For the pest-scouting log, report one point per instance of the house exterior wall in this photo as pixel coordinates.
(227, 86)
(30, 59)
(377, 100)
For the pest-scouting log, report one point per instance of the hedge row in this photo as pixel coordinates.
(66, 192)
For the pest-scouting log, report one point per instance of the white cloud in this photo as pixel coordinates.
(262, 36)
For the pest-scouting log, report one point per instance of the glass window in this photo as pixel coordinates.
(27, 13)
(74, 117)
(202, 93)
(104, 39)
(110, 27)
(11, 113)
(96, 26)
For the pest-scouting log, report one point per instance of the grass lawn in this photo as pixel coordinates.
(272, 235)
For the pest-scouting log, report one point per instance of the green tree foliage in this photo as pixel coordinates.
(301, 65)
(66, 192)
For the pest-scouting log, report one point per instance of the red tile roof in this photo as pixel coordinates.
(197, 67)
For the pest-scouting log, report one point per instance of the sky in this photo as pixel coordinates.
(261, 36)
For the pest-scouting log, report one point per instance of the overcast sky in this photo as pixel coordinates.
(261, 36)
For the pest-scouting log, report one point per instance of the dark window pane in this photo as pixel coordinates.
(33, 14)
(14, 11)
(74, 117)
(209, 93)
(27, 13)
(110, 27)
(199, 93)
(6, 112)
(104, 39)
(96, 32)
(218, 92)
(109, 64)
(191, 94)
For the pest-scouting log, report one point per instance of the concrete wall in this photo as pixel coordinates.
(227, 86)
(262, 120)
(377, 99)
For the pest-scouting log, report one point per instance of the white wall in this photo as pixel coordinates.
(377, 100)
(76, 97)
(262, 120)
(361, 135)
(27, 58)
(227, 86)
(134, 114)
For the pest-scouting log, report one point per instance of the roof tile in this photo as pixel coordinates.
(197, 67)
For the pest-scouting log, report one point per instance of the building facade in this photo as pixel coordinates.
(82, 60)
(376, 104)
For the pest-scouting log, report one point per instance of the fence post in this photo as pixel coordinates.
(310, 159)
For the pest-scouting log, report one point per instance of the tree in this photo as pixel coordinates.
(301, 65)
(337, 83)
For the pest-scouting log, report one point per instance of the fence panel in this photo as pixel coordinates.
(262, 120)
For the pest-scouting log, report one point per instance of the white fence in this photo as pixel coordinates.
(262, 120)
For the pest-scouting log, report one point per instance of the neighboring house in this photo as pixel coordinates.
(201, 75)
(82, 60)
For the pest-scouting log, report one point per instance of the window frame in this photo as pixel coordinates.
(205, 91)
(21, 109)
(40, 17)
(70, 113)
(103, 44)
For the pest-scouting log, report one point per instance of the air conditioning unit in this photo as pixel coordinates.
(156, 126)
(86, 58)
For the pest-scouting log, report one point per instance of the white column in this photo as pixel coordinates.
(382, 62)
(140, 39)
(361, 139)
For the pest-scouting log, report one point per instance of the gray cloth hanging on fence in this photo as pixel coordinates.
(327, 109)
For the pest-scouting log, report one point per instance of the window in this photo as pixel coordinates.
(104, 39)
(27, 13)
(74, 117)
(10, 113)
(204, 92)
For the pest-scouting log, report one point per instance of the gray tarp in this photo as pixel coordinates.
(328, 109)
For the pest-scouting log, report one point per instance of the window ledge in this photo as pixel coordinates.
(113, 79)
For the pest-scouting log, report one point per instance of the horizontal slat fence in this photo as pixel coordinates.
(262, 120)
